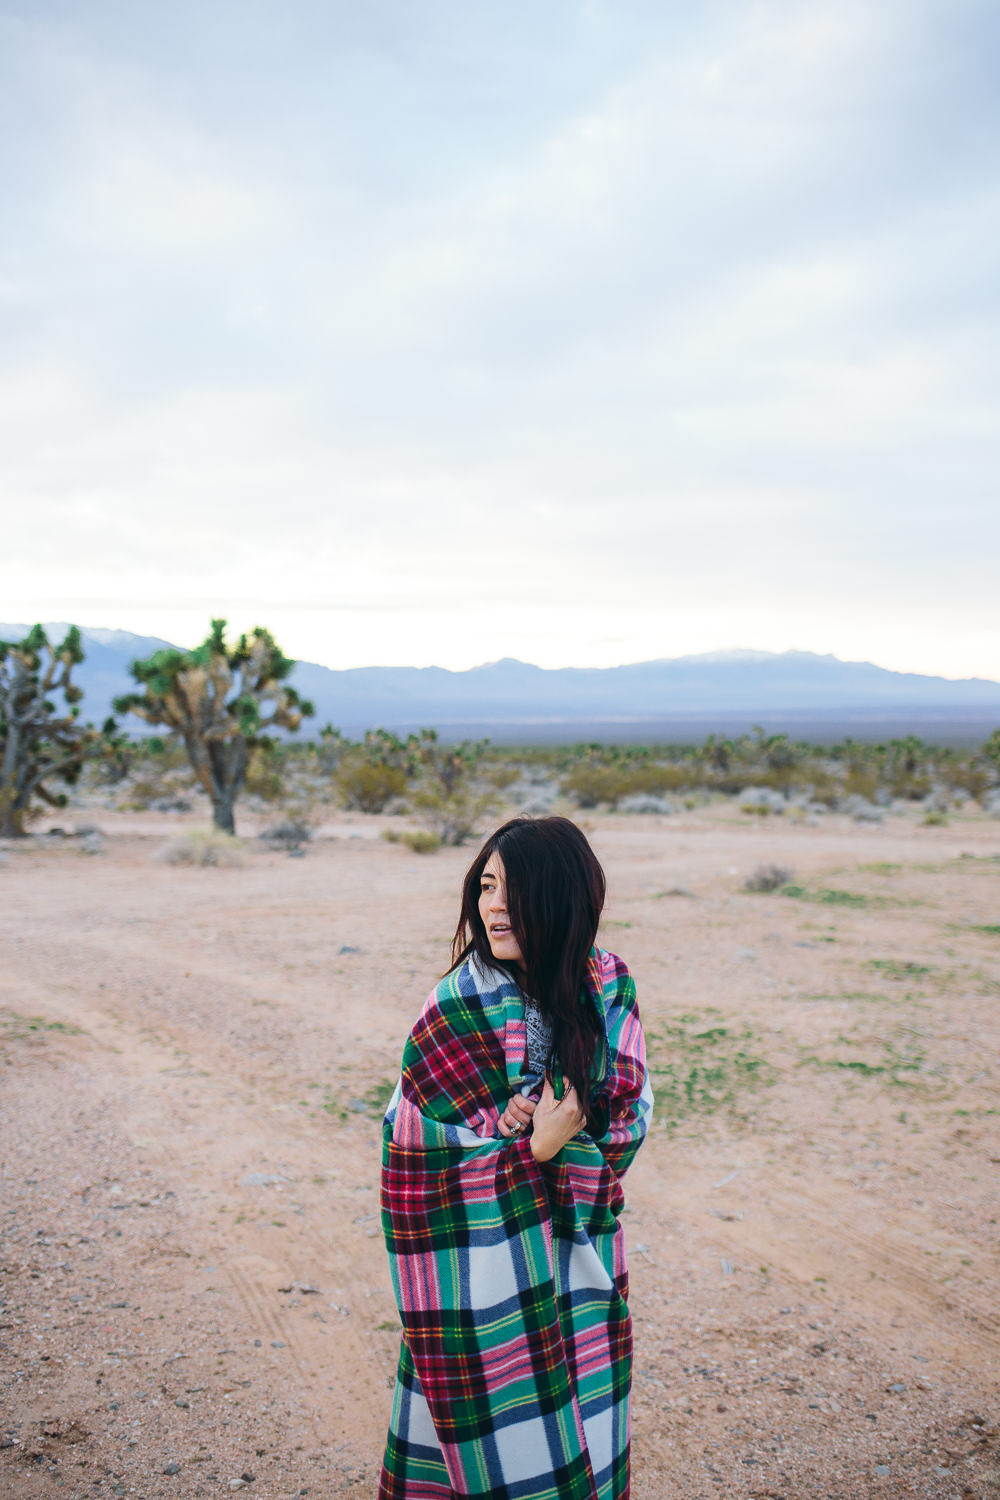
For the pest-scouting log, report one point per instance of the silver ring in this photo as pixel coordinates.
(516, 1128)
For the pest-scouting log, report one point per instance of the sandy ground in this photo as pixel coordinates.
(196, 1297)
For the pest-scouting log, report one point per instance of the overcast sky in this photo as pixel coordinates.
(584, 331)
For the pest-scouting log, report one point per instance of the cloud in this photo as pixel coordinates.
(600, 307)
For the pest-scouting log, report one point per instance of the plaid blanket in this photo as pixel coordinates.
(510, 1276)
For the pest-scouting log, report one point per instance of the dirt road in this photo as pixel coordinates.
(196, 1297)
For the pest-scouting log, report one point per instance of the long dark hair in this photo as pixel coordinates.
(555, 894)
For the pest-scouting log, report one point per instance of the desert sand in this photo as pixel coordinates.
(196, 1297)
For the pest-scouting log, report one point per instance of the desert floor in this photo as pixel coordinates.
(195, 1287)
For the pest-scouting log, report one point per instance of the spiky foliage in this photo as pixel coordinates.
(40, 742)
(221, 701)
(448, 797)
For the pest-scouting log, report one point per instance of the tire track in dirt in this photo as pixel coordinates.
(838, 1245)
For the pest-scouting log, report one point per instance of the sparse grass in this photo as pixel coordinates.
(204, 846)
(828, 897)
(893, 1064)
(867, 997)
(701, 1072)
(993, 928)
(881, 867)
(377, 1097)
(375, 1100)
(893, 969)
(16, 1025)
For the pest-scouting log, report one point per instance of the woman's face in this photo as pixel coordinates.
(494, 914)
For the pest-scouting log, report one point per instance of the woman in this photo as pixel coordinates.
(524, 1097)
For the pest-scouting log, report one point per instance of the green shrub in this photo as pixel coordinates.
(369, 786)
(590, 784)
(419, 839)
(456, 818)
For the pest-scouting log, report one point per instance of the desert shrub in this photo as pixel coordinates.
(265, 773)
(654, 779)
(861, 781)
(161, 780)
(761, 801)
(767, 878)
(329, 749)
(975, 778)
(370, 786)
(645, 802)
(450, 796)
(455, 819)
(288, 833)
(420, 840)
(590, 784)
(502, 776)
(204, 846)
(379, 769)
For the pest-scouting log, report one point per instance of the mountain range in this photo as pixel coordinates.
(809, 695)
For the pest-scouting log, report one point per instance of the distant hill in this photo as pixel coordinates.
(685, 697)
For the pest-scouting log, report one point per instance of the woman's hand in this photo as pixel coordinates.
(556, 1121)
(517, 1116)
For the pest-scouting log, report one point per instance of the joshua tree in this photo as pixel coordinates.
(38, 741)
(220, 701)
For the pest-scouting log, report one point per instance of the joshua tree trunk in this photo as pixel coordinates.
(220, 766)
(11, 816)
(223, 810)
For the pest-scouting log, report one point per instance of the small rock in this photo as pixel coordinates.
(359, 1106)
(184, 1405)
(237, 1484)
(172, 1468)
(247, 1477)
(882, 1469)
(346, 947)
(897, 1387)
(262, 1179)
(277, 1344)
